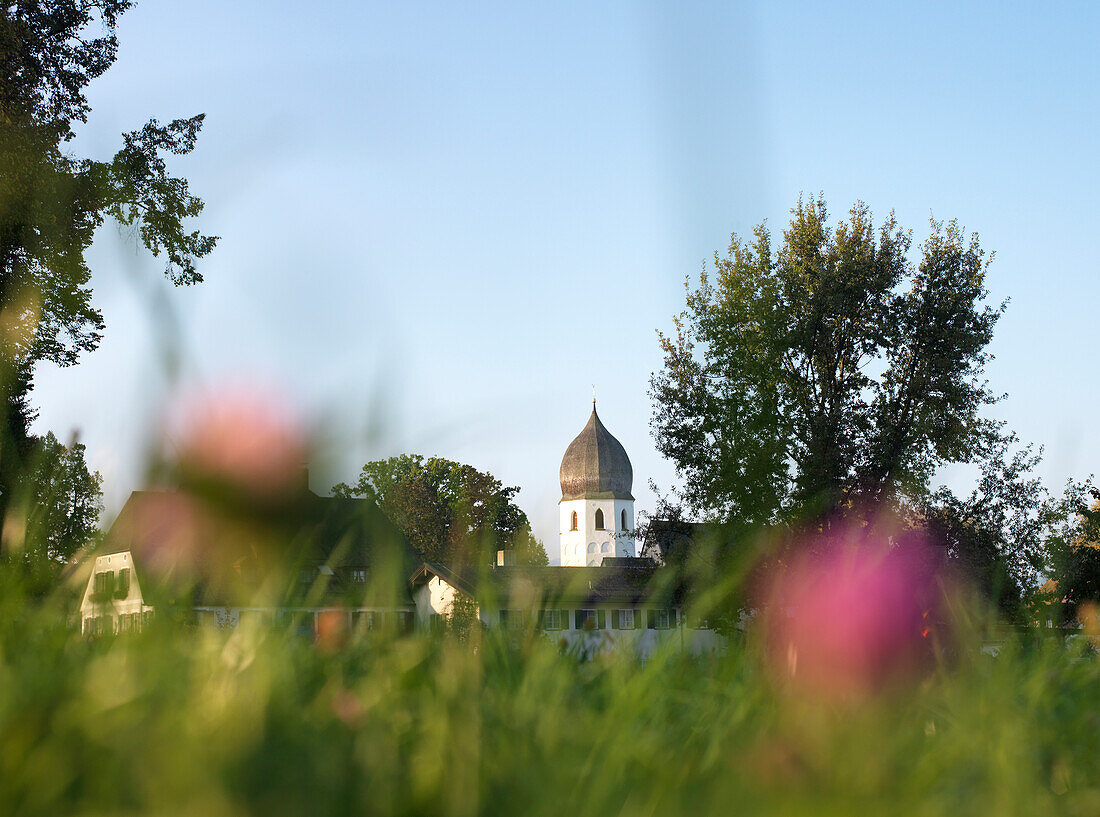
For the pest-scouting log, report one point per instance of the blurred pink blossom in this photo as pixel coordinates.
(852, 615)
(244, 439)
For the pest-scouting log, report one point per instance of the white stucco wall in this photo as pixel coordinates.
(435, 597)
(110, 609)
(587, 545)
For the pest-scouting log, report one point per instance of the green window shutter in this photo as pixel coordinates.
(601, 620)
(615, 620)
(123, 589)
(542, 620)
(565, 619)
(651, 619)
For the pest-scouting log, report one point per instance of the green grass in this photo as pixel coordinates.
(182, 720)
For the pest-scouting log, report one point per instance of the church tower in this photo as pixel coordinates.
(596, 510)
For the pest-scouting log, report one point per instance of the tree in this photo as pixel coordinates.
(1074, 549)
(450, 512)
(996, 536)
(827, 374)
(53, 514)
(52, 202)
(65, 501)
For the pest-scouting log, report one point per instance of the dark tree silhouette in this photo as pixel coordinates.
(52, 202)
(449, 511)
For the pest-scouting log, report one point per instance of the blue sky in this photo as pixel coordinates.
(442, 222)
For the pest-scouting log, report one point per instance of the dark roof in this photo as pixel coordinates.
(627, 561)
(670, 541)
(528, 586)
(222, 552)
(595, 465)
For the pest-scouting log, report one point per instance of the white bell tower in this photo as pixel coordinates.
(596, 512)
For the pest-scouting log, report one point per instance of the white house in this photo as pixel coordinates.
(622, 602)
(112, 600)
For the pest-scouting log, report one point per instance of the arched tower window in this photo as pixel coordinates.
(623, 518)
(573, 521)
(599, 518)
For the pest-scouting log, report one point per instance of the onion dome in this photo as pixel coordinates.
(595, 465)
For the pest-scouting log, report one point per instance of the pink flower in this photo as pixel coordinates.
(243, 440)
(852, 616)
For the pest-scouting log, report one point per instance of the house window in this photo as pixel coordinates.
(660, 619)
(512, 619)
(359, 576)
(437, 623)
(573, 521)
(104, 586)
(599, 519)
(585, 619)
(622, 519)
(100, 625)
(404, 621)
(622, 619)
(363, 620)
(122, 588)
(554, 619)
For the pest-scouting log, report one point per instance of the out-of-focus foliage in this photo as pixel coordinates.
(1074, 551)
(449, 511)
(258, 721)
(65, 501)
(827, 373)
(52, 202)
(53, 514)
(997, 535)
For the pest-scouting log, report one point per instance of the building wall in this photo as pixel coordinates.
(309, 620)
(587, 545)
(434, 598)
(105, 613)
(641, 640)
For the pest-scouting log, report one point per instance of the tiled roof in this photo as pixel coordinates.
(531, 586)
(223, 555)
(595, 465)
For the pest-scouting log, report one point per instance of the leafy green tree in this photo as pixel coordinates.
(996, 536)
(52, 202)
(66, 500)
(825, 374)
(449, 511)
(1074, 549)
(52, 515)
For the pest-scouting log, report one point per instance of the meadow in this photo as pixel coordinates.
(192, 720)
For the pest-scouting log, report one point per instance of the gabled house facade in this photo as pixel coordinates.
(112, 601)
